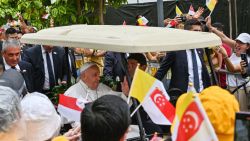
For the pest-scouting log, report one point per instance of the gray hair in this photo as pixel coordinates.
(10, 108)
(13, 79)
(10, 44)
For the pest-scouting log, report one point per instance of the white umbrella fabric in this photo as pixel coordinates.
(122, 38)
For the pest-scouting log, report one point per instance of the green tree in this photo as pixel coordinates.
(63, 12)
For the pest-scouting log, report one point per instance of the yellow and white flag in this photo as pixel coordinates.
(211, 4)
(153, 97)
(178, 11)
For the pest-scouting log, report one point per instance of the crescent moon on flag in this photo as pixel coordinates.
(156, 96)
(194, 115)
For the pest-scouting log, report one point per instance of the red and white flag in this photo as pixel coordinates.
(153, 97)
(124, 23)
(193, 124)
(191, 10)
(159, 109)
(70, 107)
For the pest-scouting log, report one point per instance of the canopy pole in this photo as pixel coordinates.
(160, 15)
(236, 17)
(66, 49)
(214, 78)
(135, 104)
(230, 18)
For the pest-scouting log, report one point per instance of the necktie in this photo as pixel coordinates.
(195, 71)
(50, 71)
(124, 60)
(13, 67)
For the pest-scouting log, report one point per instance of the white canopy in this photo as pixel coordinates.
(122, 38)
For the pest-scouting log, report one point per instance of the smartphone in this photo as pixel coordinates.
(244, 58)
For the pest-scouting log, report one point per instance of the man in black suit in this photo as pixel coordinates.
(11, 60)
(72, 65)
(115, 67)
(48, 65)
(187, 66)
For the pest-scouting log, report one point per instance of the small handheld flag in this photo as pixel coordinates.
(178, 11)
(124, 23)
(191, 10)
(211, 5)
(71, 107)
(153, 97)
(191, 121)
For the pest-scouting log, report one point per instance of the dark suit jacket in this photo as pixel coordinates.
(115, 64)
(34, 56)
(73, 70)
(177, 62)
(26, 71)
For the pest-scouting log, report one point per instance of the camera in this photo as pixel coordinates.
(182, 18)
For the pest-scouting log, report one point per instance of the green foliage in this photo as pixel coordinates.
(54, 94)
(109, 82)
(64, 12)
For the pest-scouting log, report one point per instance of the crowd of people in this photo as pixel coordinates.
(28, 73)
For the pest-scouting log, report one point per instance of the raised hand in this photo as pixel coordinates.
(125, 87)
(198, 13)
(73, 134)
(208, 22)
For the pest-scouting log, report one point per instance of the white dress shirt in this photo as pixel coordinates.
(6, 66)
(46, 85)
(190, 68)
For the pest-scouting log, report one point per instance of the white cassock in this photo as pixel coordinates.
(81, 91)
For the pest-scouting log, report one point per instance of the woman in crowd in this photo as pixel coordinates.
(241, 46)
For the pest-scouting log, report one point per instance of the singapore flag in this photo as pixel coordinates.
(159, 109)
(70, 107)
(194, 124)
(153, 97)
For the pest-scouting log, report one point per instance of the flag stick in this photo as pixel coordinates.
(138, 116)
(135, 110)
(211, 13)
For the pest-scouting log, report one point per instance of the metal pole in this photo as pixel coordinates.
(230, 19)
(236, 19)
(213, 74)
(66, 49)
(160, 13)
(135, 104)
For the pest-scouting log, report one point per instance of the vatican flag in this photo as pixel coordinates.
(153, 97)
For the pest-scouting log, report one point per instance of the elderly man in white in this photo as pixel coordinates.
(89, 88)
